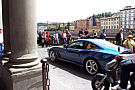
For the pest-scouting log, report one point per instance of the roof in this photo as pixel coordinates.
(93, 40)
(127, 9)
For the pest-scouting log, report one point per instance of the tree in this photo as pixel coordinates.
(108, 14)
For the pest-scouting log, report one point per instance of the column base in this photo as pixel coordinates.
(27, 78)
(15, 64)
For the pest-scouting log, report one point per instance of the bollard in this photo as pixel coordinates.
(45, 78)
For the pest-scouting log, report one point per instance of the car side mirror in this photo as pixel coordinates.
(65, 45)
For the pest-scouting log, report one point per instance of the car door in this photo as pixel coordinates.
(73, 51)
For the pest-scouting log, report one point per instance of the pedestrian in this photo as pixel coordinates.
(120, 37)
(103, 35)
(40, 37)
(86, 33)
(132, 31)
(58, 31)
(43, 39)
(68, 35)
(81, 34)
(47, 39)
(64, 36)
(94, 34)
(60, 38)
(129, 43)
(56, 38)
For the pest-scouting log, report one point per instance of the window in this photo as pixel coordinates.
(117, 27)
(91, 46)
(111, 27)
(102, 27)
(77, 45)
(134, 26)
(114, 27)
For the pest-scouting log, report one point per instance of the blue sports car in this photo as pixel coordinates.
(92, 54)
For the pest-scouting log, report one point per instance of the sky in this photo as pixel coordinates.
(72, 10)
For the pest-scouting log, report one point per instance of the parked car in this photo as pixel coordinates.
(92, 54)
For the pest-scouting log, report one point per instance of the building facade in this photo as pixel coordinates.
(41, 28)
(82, 24)
(111, 24)
(50, 26)
(72, 26)
(127, 18)
(89, 23)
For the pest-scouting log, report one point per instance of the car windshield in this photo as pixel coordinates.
(106, 44)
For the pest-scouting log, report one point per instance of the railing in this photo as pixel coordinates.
(73, 38)
(110, 36)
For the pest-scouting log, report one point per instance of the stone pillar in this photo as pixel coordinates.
(6, 26)
(23, 31)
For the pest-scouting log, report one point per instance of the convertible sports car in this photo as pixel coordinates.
(92, 54)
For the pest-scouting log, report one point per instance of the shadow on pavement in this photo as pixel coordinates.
(71, 68)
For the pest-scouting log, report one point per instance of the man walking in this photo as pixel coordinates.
(120, 37)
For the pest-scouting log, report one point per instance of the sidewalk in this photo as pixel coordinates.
(64, 76)
(61, 76)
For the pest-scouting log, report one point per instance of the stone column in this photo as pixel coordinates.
(6, 26)
(23, 31)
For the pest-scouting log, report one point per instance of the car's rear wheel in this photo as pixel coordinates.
(52, 56)
(91, 66)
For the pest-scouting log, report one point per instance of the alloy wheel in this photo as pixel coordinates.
(91, 67)
(52, 56)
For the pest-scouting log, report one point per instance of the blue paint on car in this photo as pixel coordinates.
(100, 50)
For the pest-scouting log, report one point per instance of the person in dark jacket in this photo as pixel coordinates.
(86, 33)
(120, 37)
(40, 38)
(81, 34)
(6, 82)
(103, 35)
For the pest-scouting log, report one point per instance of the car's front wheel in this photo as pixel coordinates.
(52, 56)
(91, 66)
